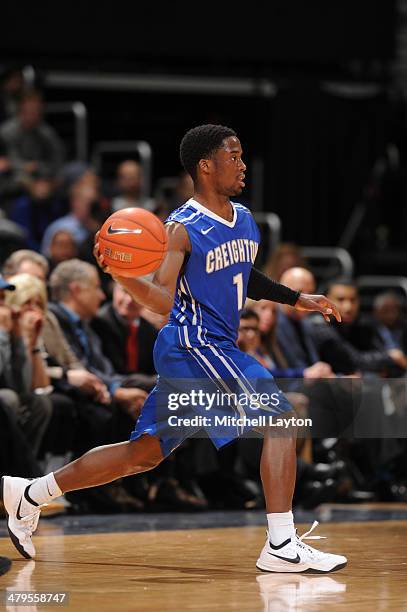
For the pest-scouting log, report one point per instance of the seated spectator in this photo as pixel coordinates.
(75, 425)
(285, 256)
(84, 218)
(294, 329)
(23, 378)
(314, 483)
(62, 247)
(36, 209)
(352, 345)
(16, 451)
(129, 185)
(26, 261)
(127, 339)
(268, 313)
(97, 420)
(75, 288)
(249, 341)
(32, 145)
(389, 319)
(57, 348)
(332, 405)
(359, 337)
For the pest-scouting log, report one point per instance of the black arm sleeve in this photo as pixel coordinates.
(260, 287)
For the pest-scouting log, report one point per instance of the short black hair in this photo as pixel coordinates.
(248, 313)
(200, 143)
(341, 280)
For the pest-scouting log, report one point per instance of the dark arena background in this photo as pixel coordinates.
(94, 101)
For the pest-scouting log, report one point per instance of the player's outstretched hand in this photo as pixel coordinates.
(318, 303)
(98, 256)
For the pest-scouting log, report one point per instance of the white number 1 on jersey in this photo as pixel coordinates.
(238, 280)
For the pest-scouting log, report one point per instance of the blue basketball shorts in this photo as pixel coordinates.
(213, 387)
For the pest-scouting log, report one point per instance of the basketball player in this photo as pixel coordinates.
(203, 281)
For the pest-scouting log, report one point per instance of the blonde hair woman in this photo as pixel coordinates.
(29, 302)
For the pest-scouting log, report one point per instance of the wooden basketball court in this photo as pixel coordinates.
(211, 569)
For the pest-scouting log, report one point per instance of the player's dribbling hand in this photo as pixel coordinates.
(98, 255)
(318, 303)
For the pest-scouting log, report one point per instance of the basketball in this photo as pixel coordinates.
(133, 242)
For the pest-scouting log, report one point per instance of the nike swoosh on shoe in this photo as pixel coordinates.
(296, 560)
(19, 517)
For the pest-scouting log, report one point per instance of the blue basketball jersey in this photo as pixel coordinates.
(211, 289)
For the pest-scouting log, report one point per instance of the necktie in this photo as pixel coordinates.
(82, 337)
(132, 348)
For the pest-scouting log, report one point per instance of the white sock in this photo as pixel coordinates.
(43, 490)
(281, 526)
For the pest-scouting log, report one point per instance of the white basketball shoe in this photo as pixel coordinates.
(295, 556)
(20, 523)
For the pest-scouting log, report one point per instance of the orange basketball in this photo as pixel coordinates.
(133, 242)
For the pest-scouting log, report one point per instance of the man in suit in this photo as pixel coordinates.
(294, 330)
(127, 338)
(76, 290)
(330, 403)
(357, 335)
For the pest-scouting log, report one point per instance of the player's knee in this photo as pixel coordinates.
(144, 455)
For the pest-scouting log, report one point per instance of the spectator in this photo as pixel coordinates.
(268, 314)
(390, 322)
(32, 145)
(37, 208)
(249, 337)
(61, 248)
(359, 337)
(82, 221)
(315, 484)
(26, 261)
(59, 352)
(249, 341)
(16, 453)
(96, 417)
(23, 379)
(294, 330)
(353, 345)
(331, 404)
(130, 184)
(30, 298)
(78, 173)
(75, 287)
(127, 339)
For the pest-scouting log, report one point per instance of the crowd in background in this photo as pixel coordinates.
(76, 351)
